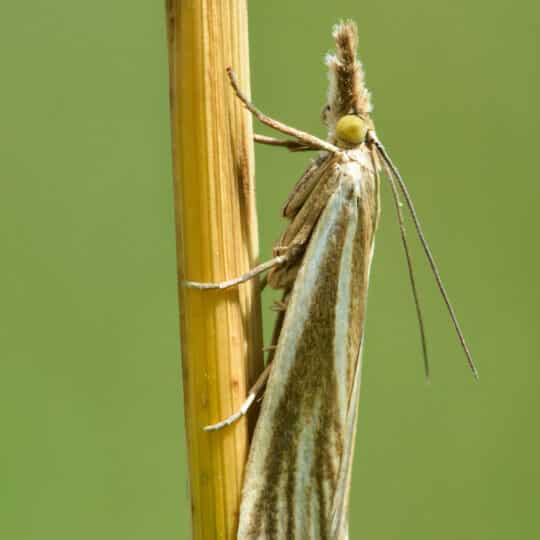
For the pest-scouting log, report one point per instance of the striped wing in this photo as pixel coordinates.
(298, 473)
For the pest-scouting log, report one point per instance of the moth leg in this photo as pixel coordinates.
(279, 306)
(244, 408)
(302, 136)
(263, 377)
(293, 146)
(276, 261)
(280, 249)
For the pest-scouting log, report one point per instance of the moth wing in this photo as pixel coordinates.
(306, 184)
(340, 507)
(297, 476)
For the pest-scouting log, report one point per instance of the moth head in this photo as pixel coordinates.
(348, 105)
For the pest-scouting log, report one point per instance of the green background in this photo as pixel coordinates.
(90, 396)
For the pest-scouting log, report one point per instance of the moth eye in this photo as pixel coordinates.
(324, 113)
(351, 129)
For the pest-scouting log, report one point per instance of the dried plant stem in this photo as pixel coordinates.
(216, 238)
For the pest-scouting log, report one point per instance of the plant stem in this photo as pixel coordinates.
(216, 240)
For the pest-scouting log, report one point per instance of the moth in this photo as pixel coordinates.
(298, 474)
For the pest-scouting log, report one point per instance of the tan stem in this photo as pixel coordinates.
(216, 240)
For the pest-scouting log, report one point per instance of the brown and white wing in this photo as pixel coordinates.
(298, 468)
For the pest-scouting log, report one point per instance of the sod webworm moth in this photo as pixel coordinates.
(299, 469)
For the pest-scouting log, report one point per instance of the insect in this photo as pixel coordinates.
(298, 473)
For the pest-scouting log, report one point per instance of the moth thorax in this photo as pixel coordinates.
(351, 130)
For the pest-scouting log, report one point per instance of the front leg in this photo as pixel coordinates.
(293, 146)
(303, 137)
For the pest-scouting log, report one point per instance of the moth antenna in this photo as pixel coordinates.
(412, 279)
(402, 186)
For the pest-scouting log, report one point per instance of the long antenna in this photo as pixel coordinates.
(412, 279)
(386, 158)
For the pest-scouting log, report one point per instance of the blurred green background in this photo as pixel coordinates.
(90, 396)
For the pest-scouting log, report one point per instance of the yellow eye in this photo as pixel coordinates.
(351, 129)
